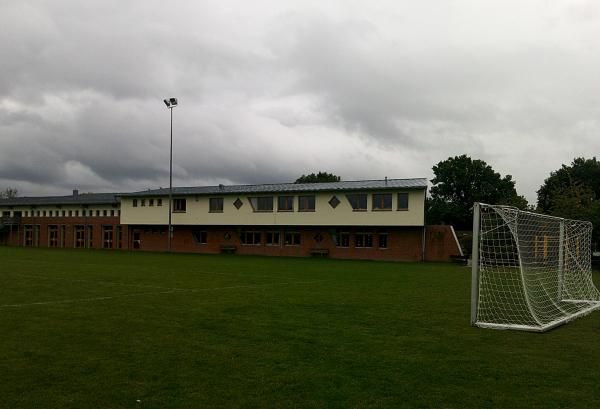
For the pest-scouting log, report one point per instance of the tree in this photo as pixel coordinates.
(581, 173)
(574, 192)
(9, 193)
(461, 181)
(320, 177)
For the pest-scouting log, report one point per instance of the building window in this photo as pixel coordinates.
(292, 238)
(306, 203)
(179, 205)
(215, 205)
(90, 231)
(382, 201)
(358, 202)
(79, 234)
(135, 202)
(262, 204)
(119, 237)
(52, 236)
(159, 202)
(201, 237)
(143, 202)
(250, 237)
(402, 201)
(363, 239)
(64, 213)
(151, 202)
(28, 235)
(62, 235)
(112, 213)
(383, 240)
(342, 238)
(273, 238)
(285, 204)
(107, 237)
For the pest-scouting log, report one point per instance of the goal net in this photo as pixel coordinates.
(530, 271)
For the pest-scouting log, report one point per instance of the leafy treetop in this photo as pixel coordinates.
(461, 181)
(320, 177)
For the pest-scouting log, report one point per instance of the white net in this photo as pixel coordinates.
(534, 271)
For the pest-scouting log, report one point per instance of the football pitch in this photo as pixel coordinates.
(100, 329)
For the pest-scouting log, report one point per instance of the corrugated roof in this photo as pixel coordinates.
(80, 199)
(382, 184)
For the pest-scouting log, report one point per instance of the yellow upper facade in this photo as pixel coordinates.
(380, 206)
(394, 202)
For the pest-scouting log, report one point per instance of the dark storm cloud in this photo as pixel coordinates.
(271, 90)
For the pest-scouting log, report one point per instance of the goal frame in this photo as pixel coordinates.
(475, 282)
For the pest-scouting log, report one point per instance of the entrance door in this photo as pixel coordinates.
(137, 239)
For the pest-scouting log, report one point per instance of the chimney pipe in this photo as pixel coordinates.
(75, 192)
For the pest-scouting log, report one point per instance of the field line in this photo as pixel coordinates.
(79, 280)
(179, 290)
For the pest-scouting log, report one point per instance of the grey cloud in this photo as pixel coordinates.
(271, 90)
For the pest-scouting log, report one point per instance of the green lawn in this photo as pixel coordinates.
(96, 329)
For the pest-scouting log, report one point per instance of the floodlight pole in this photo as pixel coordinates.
(170, 231)
(170, 103)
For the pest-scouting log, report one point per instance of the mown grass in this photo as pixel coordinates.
(95, 329)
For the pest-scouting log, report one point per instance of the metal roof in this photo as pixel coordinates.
(382, 184)
(79, 199)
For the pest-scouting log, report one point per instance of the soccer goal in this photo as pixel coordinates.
(531, 271)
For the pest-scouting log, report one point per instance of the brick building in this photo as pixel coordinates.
(374, 219)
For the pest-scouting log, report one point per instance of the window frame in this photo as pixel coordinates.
(353, 199)
(387, 240)
(177, 208)
(218, 200)
(257, 201)
(270, 236)
(403, 194)
(293, 234)
(305, 199)
(378, 202)
(289, 200)
(253, 234)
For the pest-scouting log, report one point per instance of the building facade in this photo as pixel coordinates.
(374, 219)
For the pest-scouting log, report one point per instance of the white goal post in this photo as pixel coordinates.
(531, 271)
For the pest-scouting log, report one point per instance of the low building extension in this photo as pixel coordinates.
(371, 219)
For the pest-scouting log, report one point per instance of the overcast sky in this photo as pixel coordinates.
(270, 90)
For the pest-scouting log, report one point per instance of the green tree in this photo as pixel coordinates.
(574, 192)
(461, 181)
(582, 172)
(320, 177)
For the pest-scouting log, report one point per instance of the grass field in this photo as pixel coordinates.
(95, 329)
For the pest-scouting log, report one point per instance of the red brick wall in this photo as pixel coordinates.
(440, 243)
(17, 236)
(404, 243)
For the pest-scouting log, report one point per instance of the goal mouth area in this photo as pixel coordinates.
(531, 272)
(595, 305)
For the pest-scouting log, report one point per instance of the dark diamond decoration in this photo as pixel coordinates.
(227, 236)
(238, 203)
(318, 238)
(334, 202)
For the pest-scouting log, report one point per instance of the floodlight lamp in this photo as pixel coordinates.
(166, 101)
(173, 101)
